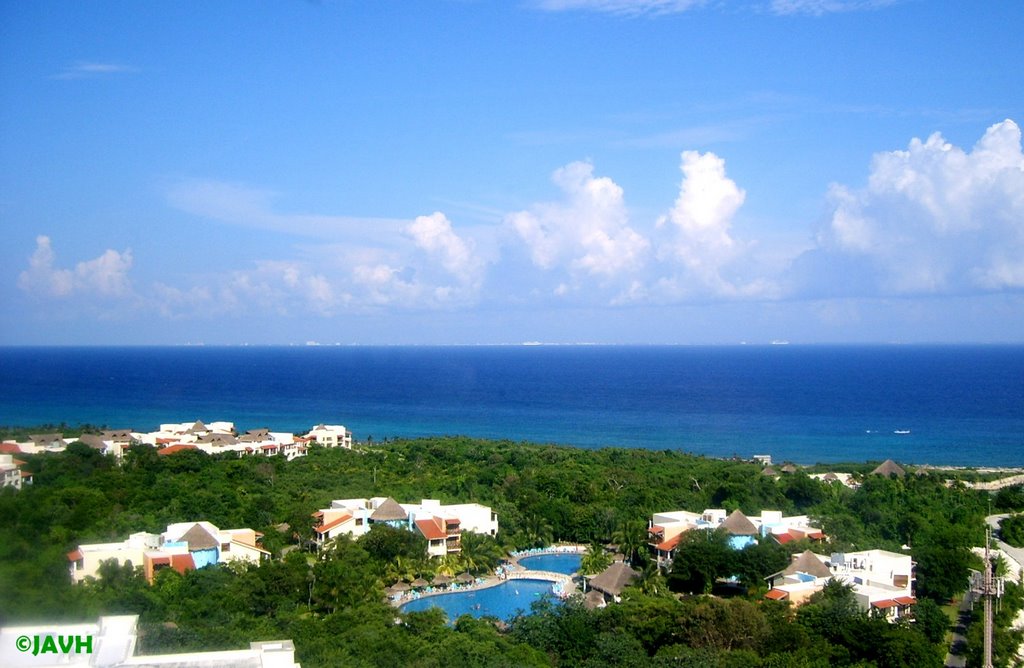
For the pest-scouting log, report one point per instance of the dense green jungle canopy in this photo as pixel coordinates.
(332, 603)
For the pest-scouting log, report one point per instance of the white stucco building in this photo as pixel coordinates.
(183, 546)
(881, 580)
(441, 525)
(331, 436)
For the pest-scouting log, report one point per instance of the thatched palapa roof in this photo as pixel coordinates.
(737, 524)
(593, 599)
(809, 563)
(199, 538)
(614, 579)
(889, 468)
(389, 511)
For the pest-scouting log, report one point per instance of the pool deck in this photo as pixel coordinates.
(515, 572)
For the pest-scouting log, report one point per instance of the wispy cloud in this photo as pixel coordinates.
(821, 7)
(700, 135)
(631, 8)
(622, 7)
(91, 70)
(239, 204)
(424, 263)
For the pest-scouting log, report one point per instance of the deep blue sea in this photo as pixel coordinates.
(960, 404)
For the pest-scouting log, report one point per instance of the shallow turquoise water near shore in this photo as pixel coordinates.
(960, 404)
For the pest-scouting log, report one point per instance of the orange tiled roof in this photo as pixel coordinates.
(887, 603)
(171, 449)
(430, 529)
(74, 555)
(777, 595)
(669, 544)
(330, 525)
(905, 600)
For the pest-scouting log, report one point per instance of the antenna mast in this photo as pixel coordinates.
(986, 592)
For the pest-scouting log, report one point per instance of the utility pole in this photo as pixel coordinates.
(986, 592)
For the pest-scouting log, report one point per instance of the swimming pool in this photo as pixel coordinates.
(504, 601)
(558, 562)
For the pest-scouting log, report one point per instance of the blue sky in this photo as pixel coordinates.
(611, 171)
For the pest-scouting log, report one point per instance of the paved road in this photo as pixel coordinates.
(1015, 553)
(993, 485)
(960, 633)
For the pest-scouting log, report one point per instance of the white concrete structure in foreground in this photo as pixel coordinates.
(111, 643)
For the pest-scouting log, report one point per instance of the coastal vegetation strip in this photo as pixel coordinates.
(332, 603)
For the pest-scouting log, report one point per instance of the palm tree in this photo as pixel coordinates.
(594, 560)
(448, 565)
(652, 582)
(479, 552)
(631, 539)
(402, 568)
(538, 532)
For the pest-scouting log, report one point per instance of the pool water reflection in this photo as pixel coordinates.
(504, 601)
(563, 562)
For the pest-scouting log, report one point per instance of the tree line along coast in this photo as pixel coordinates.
(703, 603)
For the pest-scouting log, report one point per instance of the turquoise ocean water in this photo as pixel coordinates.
(916, 404)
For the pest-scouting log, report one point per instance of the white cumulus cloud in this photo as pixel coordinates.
(104, 276)
(700, 230)
(434, 235)
(589, 229)
(934, 218)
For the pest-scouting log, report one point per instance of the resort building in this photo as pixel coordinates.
(112, 642)
(220, 437)
(11, 474)
(331, 436)
(210, 437)
(113, 443)
(666, 529)
(183, 546)
(844, 479)
(881, 580)
(441, 525)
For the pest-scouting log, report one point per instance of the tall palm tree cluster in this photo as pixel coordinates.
(479, 554)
